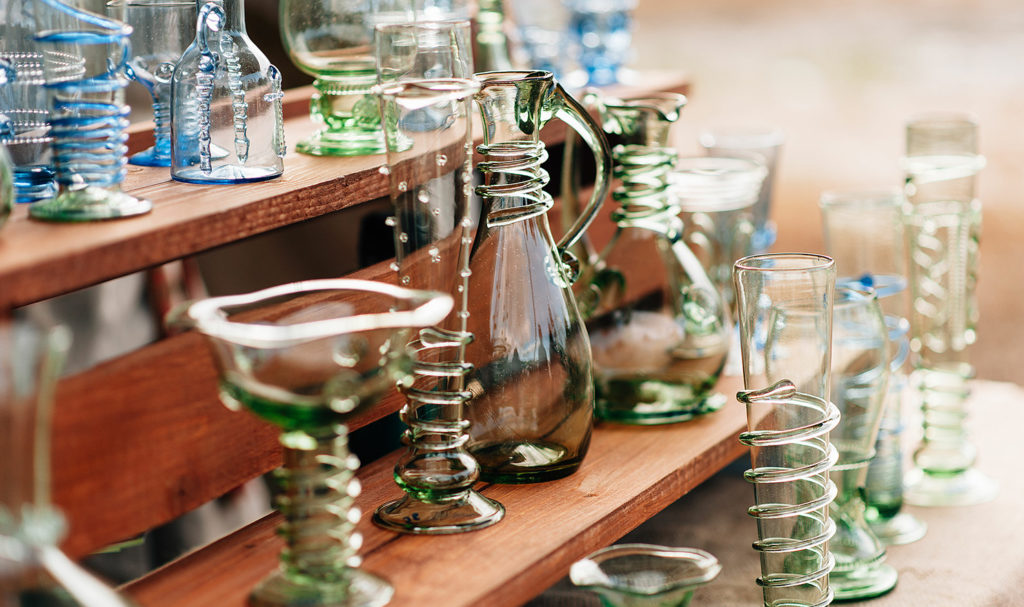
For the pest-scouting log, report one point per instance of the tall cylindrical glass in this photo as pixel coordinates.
(88, 116)
(784, 304)
(428, 125)
(863, 232)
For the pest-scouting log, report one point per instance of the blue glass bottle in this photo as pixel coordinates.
(603, 33)
(225, 96)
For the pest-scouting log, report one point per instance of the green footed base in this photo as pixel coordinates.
(89, 204)
(964, 489)
(364, 590)
(903, 528)
(343, 143)
(658, 412)
(468, 512)
(863, 583)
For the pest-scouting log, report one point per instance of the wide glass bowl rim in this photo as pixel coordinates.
(811, 262)
(707, 565)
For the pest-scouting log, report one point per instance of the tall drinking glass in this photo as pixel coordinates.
(864, 233)
(785, 318)
(763, 144)
(87, 112)
(161, 31)
(430, 172)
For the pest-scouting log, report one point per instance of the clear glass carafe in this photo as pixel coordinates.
(532, 408)
(227, 121)
(660, 335)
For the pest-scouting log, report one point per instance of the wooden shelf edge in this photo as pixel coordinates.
(39, 260)
(630, 474)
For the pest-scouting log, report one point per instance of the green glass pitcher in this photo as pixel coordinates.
(531, 412)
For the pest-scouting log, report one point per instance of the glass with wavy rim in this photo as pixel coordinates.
(645, 575)
(307, 357)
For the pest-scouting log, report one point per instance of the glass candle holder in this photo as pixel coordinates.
(645, 575)
(161, 31)
(764, 145)
(785, 317)
(87, 113)
(430, 174)
(328, 350)
(227, 121)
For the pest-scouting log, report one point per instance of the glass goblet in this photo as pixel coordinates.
(307, 357)
(161, 31)
(332, 41)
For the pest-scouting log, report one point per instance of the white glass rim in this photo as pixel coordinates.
(448, 88)
(861, 198)
(587, 571)
(209, 318)
(435, 25)
(785, 262)
(742, 137)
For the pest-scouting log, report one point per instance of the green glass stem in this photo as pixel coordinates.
(316, 488)
(351, 118)
(860, 571)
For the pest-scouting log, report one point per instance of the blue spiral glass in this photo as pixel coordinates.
(87, 115)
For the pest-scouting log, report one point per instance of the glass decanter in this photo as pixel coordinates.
(532, 409)
(161, 31)
(334, 42)
(784, 304)
(306, 357)
(428, 128)
(33, 569)
(87, 113)
(227, 121)
(863, 232)
(645, 575)
(658, 352)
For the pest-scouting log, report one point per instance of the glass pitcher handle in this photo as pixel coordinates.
(573, 114)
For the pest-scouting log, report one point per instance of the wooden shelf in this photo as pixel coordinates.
(40, 260)
(629, 474)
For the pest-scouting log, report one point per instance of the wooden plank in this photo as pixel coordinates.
(39, 260)
(629, 474)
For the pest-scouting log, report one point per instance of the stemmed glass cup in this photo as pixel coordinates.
(307, 357)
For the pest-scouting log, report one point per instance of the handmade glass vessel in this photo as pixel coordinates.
(784, 304)
(532, 411)
(227, 121)
(307, 357)
(491, 44)
(161, 31)
(334, 43)
(430, 174)
(864, 233)
(33, 569)
(602, 31)
(423, 51)
(87, 113)
(937, 237)
(860, 375)
(644, 575)
(762, 144)
(716, 197)
(542, 36)
(25, 130)
(657, 352)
